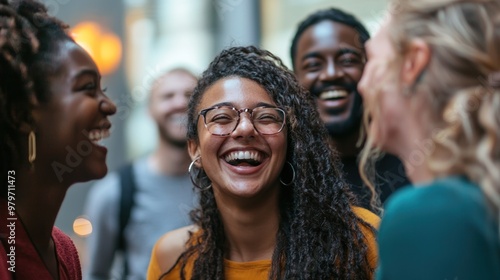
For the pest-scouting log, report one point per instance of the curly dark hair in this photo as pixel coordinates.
(319, 236)
(29, 41)
(331, 14)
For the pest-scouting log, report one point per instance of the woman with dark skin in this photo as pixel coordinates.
(273, 203)
(53, 115)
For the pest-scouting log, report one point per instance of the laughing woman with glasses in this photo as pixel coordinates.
(273, 203)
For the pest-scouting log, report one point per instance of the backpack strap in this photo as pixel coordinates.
(128, 189)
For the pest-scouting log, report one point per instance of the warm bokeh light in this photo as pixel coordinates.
(104, 47)
(82, 226)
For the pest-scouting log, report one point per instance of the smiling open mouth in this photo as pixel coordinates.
(244, 158)
(97, 135)
(333, 94)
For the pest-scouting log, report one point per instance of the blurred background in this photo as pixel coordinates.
(133, 41)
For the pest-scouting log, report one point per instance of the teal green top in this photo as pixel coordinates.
(443, 230)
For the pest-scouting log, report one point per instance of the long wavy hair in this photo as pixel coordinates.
(464, 38)
(29, 40)
(319, 236)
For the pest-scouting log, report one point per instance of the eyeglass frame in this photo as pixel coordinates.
(203, 113)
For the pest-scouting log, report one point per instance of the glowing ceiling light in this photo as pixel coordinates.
(104, 47)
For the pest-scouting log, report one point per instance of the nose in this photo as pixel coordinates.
(180, 101)
(107, 106)
(245, 127)
(331, 71)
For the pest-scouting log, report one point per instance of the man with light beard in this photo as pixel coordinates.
(328, 58)
(163, 193)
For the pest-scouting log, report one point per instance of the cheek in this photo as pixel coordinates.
(306, 79)
(209, 147)
(354, 73)
(279, 146)
(390, 112)
(85, 115)
(162, 109)
(66, 121)
(391, 100)
(380, 87)
(368, 82)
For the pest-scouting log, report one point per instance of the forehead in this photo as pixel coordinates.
(381, 38)
(235, 91)
(174, 77)
(327, 34)
(174, 81)
(73, 57)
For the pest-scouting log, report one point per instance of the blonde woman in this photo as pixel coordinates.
(431, 100)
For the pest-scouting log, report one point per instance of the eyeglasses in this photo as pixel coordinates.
(223, 120)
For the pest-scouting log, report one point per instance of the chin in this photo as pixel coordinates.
(102, 173)
(342, 128)
(380, 140)
(242, 190)
(97, 171)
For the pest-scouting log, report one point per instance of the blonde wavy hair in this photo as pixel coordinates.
(464, 39)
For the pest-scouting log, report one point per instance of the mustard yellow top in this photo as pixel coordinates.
(260, 269)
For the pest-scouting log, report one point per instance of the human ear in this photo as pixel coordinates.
(416, 60)
(194, 151)
(25, 126)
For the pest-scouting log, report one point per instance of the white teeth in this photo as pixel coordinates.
(333, 94)
(239, 155)
(97, 135)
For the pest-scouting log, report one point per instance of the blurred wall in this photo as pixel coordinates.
(172, 33)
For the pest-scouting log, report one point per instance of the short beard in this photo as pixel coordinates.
(352, 124)
(167, 138)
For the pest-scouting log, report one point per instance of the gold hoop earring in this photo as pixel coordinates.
(31, 147)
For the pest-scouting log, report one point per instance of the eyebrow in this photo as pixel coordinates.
(311, 55)
(87, 72)
(349, 51)
(264, 104)
(340, 51)
(230, 104)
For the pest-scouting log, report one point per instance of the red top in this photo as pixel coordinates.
(19, 259)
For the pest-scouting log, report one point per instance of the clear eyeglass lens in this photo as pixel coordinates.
(268, 120)
(223, 121)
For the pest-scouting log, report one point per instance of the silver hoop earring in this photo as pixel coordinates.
(191, 165)
(293, 176)
(195, 178)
